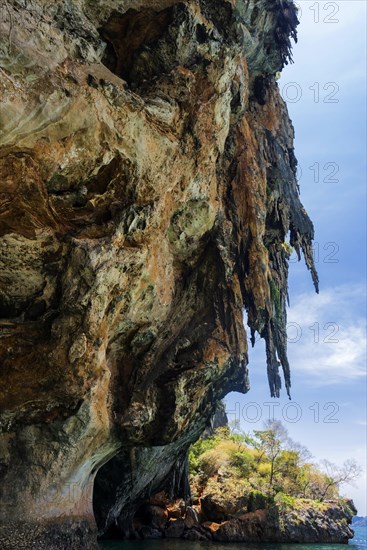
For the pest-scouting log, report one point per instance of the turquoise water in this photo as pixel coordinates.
(358, 543)
(166, 544)
(360, 538)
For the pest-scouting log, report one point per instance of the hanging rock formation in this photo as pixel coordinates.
(148, 189)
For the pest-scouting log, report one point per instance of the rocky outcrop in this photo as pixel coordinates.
(297, 521)
(147, 191)
(307, 522)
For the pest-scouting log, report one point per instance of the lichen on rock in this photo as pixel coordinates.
(148, 186)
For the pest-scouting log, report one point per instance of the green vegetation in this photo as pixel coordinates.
(275, 295)
(264, 468)
(288, 249)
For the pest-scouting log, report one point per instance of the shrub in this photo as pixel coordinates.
(257, 501)
(243, 461)
(264, 469)
(284, 501)
(198, 449)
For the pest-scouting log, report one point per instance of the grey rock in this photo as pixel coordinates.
(175, 529)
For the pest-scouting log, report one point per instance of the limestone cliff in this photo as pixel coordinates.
(148, 190)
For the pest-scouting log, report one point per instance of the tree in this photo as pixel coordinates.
(335, 476)
(280, 432)
(271, 441)
(310, 481)
(304, 454)
(285, 458)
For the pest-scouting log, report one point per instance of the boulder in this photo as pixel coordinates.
(176, 509)
(191, 517)
(175, 529)
(157, 515)
(159, 499)
(220, 508)
(148, 532)
(211, 526)
(196, 535)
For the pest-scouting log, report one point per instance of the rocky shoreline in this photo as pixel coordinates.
(305, 522)
(75, 534)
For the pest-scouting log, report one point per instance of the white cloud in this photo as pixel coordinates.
(327, 336)
(320, 19)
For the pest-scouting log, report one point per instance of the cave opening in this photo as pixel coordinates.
(131, 487)
(130, 43)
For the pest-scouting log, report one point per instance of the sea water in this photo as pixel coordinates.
(358, 543)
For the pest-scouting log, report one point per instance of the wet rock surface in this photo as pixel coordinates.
(148, 187)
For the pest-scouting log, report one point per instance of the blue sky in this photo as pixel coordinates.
(327, 333)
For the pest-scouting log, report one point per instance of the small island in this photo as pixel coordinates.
(259, 487)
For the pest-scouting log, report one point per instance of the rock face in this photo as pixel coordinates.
(312, 522)
(297, 521)
(147, 190)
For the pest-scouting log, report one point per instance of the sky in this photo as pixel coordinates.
(325, 90)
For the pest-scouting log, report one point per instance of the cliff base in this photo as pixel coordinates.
(296, 521)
